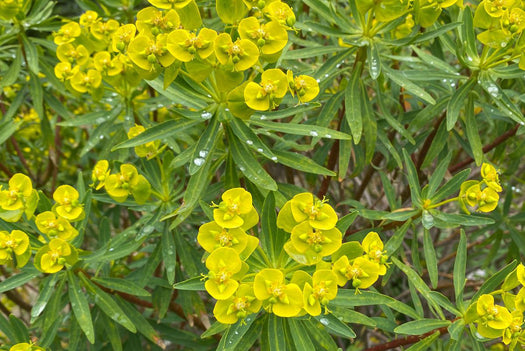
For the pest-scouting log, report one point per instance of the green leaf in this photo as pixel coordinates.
(312, 52)
(205, 146)
(10, 77)
(460, 265)
(234, 334)
(80, 307)
(244, 132)
(409, 86)
(302, 129)
(335, 326)
(374, 61)
(396, 240)
(276, 333)
(413, 180)
(19, 329)
(169, 255)
(495, 280)
(179, 94)
(353, 112)
(286, 112)
(6, 328)
(123, 285)
(214, 329)
(19, 279)
(249, 165)
(299, 335)
(7, 129)
(300, 162)
(424, 344)
(97, 117)
(437, 176)
(138, 320)
(162, 130)
(457, 102)
(468, 36)
(421, 326)
(193, 284)
(272, 239)
(112, 333)
(231, 11)
(450, 186)
(48, 288)
(31, 54)
(430, 257)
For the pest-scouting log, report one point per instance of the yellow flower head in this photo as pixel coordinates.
(73, 54)
(322, 290)
(496, 8)
(148, 150)
(222, 264)
(100, 173)
(106, 65)
(493, 319)
(241, 54)
(146, 52)
(306, 207)
(67, 33)
(63, 71)
(88, 18)
(184, 45)
(514, 330)
(52, 226)
(151, 21)
(169, 4)
(122, 37)
(52, 257)
(322, 242)
(67, 205)
(104, 30)
(268, 93)
(19, 191)
(128, 182)
(14, 245)
(84, 82)
(284, 300)
(9, 9)
(212, 236)
(270, 37)
(258, 4)
(280, 12)
(238, 306)
(490, 176)
(361, 271)
(24, 346)
(235, 203)
(304, 86)
(373, 247)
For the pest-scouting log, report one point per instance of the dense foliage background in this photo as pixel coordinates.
(120, 131)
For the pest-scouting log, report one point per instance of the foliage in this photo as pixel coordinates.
(194, 174)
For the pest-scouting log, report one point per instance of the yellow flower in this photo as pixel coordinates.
(361, 271)
(268, 93)
(169, 4)
(258, 4)
(322, 242)
(52, 226)
(148, 150)
(322, 290)
(24, 346)
(285, 219)
(146, 52)
(496, 8)
(128, 182)
(52, 257)
(240, 305)
(122, 37)
(73, 54)
(9, 8)
(305, 87)
(18, 199)
(280, 12)
(373, 247)
(104, 30)
(241, 54)
(184, 45)
(212, 236)
(493, 319)
(106, 65)
(63, 71)
(513, 331)
(284, 300)
(67, 33)
(306, 207)
(14, 244)
(84, 82)
(222, 264)
(270, 37)
(100, 173)
(151, 21)
(235, 203)
(488, 200)
(67, 205)
(490, 176)
(88, 18)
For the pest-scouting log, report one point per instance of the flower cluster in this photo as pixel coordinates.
(170, 38)
(302, 283)
(18, 199)
(24, 346)
(120, 185)
(502, 20)
(496, 321)
(481, 194)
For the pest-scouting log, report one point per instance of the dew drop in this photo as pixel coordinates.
(198, 161)
(314, 133)
(249, 142)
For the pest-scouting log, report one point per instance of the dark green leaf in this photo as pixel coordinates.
(80, 306)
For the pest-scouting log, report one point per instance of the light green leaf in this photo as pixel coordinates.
(409, 86)
(302, 129)
(19, 279)
(80, 307)
(457, 102)
(430, 257)
(421, 326)
(123, 285)
(193, 284)
(353, 101)
(300, 162)
(335, 326)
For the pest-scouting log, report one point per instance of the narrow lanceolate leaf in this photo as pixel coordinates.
(353, 104)
(123, 285)
(17, 280)
(7, 129)
(48, 287)
(413, 180)
(460, 265)
(374, 61)
(10, 77)
(430, 257)
(302, 129)
(437, 176)
(421, 326)
(457, 102)
(271, 242)
(299, 335)
(335, 326)
(234, 334)
(195, 284)
(276, 333)
(495, 280)
(203, 150)
(251, 139)
(168, 254)
(80, 306)
(409, 86)
(301, 163)
(249, 165)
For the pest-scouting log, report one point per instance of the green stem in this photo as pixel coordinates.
(443, 202)
(264, 256)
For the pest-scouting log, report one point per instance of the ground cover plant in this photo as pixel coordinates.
(266, 175)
